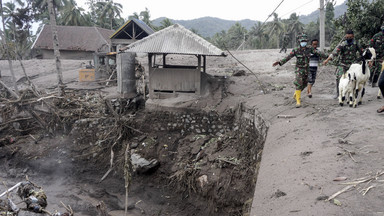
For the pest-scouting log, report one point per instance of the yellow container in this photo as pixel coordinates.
(86, 75)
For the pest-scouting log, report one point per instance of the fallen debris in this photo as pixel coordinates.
(372, 179)
(286, 116)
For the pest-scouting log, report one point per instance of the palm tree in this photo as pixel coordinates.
(295, 27)
(135, 15)
(145, 17)
(5, 44)
(108, 11)
(257, 31)
(236, 35)
(165, 23)
(219, 39)
(276, 28)
(9, 11)
(41, 7)
(72, 14)
(56, 50)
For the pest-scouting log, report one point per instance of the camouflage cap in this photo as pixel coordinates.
(302, 37)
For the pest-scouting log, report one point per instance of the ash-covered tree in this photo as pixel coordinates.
(276, 29)
(236, 35)
(329, 21)
(144, 16)
(165, 23)
(219, 39)
(364, 17)
(72, 15)
(109, 14)
(18, 19)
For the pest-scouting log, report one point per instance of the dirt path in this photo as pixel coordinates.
(303, 155)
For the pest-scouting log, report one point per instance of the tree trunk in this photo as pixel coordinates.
(4, 40)
(56, 50)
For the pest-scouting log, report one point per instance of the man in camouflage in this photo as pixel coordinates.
(285, 43)
(347, 52)
(377, 42)
(302, 54)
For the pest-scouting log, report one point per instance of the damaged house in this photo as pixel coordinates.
(75, 42)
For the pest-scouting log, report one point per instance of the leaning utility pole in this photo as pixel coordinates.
(322, 25)
(56, 50)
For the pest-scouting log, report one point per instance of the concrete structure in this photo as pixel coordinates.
(132, 31)
(126, 79)
(75, 42)
(167, 80)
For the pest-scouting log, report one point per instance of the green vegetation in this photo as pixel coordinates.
(363, 16)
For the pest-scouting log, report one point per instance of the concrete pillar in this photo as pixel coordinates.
(322, 25)
(126, 79)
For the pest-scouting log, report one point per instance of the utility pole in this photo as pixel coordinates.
(322, 25)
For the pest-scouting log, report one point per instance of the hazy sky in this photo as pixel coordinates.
(224, 9)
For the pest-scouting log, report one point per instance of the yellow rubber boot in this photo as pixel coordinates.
(298, 96)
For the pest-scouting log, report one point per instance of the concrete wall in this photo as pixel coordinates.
(65, 54)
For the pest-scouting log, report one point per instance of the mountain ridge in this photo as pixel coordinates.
(208, 26)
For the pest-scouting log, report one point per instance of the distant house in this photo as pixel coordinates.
(132, 31)
(168, 78)
(75, 42)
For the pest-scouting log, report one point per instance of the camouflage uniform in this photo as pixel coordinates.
(347, 53)
(377, 42)
(302, 55)
(285, 43)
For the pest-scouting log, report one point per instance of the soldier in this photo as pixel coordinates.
(302, 54)
(347, 50)
(285, 43)
(377, 42)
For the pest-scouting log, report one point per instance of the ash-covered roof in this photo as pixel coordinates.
(76, 38)
(174, 39)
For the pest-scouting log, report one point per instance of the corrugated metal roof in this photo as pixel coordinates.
(140, 23)
(81, 38)
(174, 39)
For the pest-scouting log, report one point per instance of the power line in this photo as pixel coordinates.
(272, 13)
(297, 8)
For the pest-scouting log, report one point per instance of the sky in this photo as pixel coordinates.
(230, 10)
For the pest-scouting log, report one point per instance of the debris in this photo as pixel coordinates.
(350, 153)
(340, 192)
(142, 165)
(203, 180)
(343, 141)
(341, 178)
(286, 116)
(102, 209)
(239, 73)
(336, 202)
(11, 189)
(306, 153)
(278, 194)
(323, 197)
(367, 179)
(35, 198)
